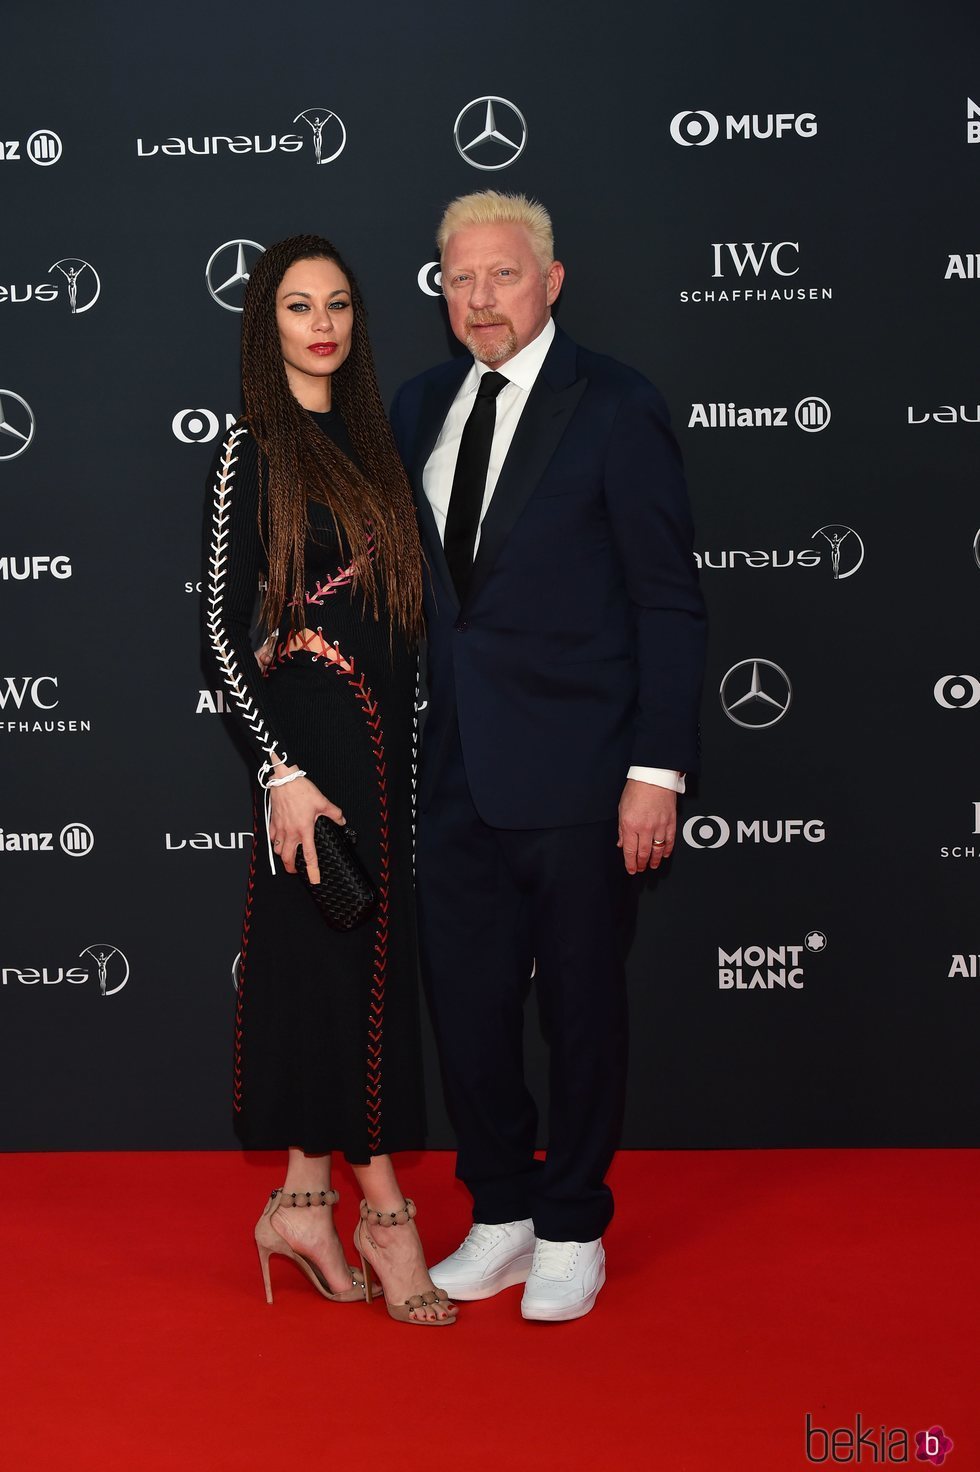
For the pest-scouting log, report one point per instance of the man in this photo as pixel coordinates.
(566, 635)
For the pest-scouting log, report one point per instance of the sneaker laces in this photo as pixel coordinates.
(554, 1259)
(479, 1239)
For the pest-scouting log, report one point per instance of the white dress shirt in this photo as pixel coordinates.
(437, 477)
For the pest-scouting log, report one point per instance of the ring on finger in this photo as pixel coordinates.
(660, 843)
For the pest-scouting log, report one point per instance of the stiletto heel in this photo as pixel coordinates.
(264, 1264)
(402, 1312)
(269, 1241)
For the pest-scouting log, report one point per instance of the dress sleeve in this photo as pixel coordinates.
(234, 560)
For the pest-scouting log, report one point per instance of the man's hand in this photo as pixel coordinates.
(647, 825)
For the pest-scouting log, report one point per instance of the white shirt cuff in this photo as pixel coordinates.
(659, 776)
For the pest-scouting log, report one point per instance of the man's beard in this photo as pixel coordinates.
(490, 352)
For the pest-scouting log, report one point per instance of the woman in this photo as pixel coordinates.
(308, 494)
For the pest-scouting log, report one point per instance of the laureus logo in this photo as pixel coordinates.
(83, 291)
(111, 965)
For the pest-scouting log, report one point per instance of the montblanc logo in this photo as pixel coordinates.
(81, 288)
(490, 133)
(712, 831)
(208, 842)
(965, 850)
(946, 414)
(76, 840)
(957, 692)
(28, 695)
(199, 426)
(42, 147)
(767, 968)
(327, 137)
(963, 268)
(24, 569)
(106, 965)
(698, 129)
(838, 547)
(773, 261)
(811, 415)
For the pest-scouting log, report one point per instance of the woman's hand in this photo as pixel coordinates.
(295, 808)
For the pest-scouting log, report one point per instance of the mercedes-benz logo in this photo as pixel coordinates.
(846, 548)
(765, 701)
(485, 135)
(73, 269)
(16, 424)
(319, 118)
(103, 955)
(230, 290)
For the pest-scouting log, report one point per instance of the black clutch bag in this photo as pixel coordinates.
(346, 894)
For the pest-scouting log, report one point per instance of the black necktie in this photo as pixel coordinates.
(470, 481)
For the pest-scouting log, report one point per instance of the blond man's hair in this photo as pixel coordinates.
(490, 208)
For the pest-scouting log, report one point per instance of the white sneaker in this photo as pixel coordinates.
(564, 1281)
(491, 1258)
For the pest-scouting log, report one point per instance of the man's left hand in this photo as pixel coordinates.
(647, 825)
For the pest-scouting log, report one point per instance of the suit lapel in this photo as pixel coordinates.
(546, 416)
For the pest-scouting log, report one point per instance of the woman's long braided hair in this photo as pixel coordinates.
(372, 509)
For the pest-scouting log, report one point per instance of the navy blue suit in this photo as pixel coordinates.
(578, 652)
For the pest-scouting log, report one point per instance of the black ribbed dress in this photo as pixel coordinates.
(326, 1027)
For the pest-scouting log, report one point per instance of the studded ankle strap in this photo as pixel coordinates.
(388, 1218)
(305, 1198)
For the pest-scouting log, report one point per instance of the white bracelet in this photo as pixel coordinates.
(269, 781)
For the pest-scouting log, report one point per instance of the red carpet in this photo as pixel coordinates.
(745, 1290)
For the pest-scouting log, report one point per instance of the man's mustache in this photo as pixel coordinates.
(488, 319)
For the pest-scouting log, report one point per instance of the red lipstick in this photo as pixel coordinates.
(323, 349)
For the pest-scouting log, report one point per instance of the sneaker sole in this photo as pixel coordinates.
(511, 1276)
(561, 1313)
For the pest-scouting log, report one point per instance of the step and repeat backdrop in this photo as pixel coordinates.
(773, 214)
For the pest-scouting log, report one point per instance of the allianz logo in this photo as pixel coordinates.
(76, 840)
(711, 831)
(946, 414)
(965, 268)
(811, 415)
(211, 703)
(206, 842)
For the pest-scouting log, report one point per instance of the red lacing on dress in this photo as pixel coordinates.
(331, 655)
(246, 927)
(342, 578)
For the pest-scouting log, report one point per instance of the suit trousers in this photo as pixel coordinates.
(493, 902)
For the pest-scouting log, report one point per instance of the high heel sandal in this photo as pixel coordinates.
(269, 1241)
(434, 1298)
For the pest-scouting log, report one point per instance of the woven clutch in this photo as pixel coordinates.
(346, 894)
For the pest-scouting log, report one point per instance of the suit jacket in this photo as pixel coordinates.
(579, 649)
